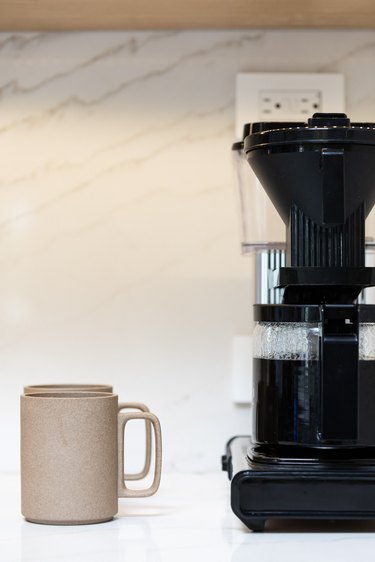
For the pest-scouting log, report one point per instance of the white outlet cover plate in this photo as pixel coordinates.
(249, 87)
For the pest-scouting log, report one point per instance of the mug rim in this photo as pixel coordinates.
(74, 386)
(75, 395)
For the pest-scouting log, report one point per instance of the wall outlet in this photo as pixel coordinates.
(286, 97)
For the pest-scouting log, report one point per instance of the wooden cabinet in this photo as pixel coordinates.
(184, 14)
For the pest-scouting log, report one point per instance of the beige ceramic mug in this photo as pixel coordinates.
(124, 405)
(72, 457)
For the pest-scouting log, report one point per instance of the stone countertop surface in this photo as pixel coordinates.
(189, 519)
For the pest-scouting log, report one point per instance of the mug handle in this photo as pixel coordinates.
(146, 467)
(123, 490)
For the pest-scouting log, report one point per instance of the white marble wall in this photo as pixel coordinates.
(119, 248)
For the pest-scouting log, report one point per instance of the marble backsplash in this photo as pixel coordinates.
(119, 240)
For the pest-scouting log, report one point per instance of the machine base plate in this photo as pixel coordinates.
(319, 490)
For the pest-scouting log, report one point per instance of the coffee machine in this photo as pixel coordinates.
(311, 454)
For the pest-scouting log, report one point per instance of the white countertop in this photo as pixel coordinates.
(189, 519)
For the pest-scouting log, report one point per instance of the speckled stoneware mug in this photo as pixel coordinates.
(32, 388)
(72, 457)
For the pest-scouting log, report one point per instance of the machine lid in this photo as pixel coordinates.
(237, 146)
(321, 128)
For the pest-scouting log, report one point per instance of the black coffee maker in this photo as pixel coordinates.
(312, 451)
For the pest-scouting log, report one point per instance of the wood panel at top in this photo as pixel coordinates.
(188, 14)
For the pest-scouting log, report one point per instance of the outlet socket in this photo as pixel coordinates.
(290, 104)
(286, 97)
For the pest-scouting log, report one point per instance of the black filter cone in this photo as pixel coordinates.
(327, 184)
(320, 176)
